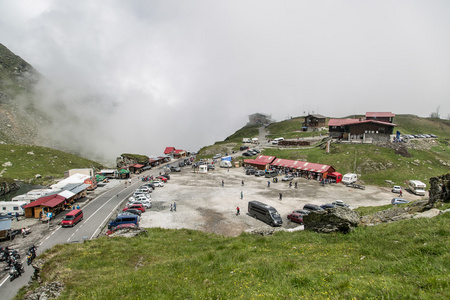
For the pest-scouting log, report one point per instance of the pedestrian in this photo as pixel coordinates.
(242, 195)
(129, 181)
(171, 207)
(175, 206)
(223, 183)
(23, 233)
(73, 207)
(268, 183)
(78, 207)
(295, 185)
(228, 169)
(242, 182)
(401, 194)
(290, 184)
(281, 197)
(238, 211)
(17, 216)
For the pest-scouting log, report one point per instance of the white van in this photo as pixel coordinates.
(349, 178)
(246, 140)
(225, 164)
(417, 187)
(12, 207)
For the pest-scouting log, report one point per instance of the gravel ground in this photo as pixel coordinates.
(203, 204)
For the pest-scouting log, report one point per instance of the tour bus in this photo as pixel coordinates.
(417, 187)
(265, 213)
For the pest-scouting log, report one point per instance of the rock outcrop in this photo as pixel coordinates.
(440, 189)
(341, 219)
(7, 186)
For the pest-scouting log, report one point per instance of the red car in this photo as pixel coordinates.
(296, 217)
(135, 206)
(120, 226)
(162, 178)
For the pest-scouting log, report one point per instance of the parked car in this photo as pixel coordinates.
(327, 205)
(312, 207)
(250, 172)
(252, 152)
(396, 189)
(256, 151)
(162, 178)
(211, 167)
(133, 211)
(181, 164)
(141, 194)
(167, 176)
(287, 177)
(243, 148)
(260, 173)
(175, 169)
(433, 136)
(145, 203)
(158, 183)
(135, 206)
(295, 217)
(301, 211)
(119, 227)
(340, 203)
(149, 185)
(247, 154)
(126, 213)
(218, 155)
(145, 189)
(396, 201)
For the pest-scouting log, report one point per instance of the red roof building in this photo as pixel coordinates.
(169, 150)
(261, 162)
(51, 203)
(380, 116)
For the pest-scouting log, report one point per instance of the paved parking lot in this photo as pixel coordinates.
(203, 204)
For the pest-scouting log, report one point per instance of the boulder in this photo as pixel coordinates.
(48, 291)
(129, 232)
(428, 214)
(440, 189)
(341, 219)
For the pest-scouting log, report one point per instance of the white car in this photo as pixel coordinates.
(396, 189)
(157, 183)
(146, 204)
(144, 189)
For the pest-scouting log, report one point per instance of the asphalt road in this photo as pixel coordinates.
(95, 215)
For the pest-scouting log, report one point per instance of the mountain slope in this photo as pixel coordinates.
(21, 120)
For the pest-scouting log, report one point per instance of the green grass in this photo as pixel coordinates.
(404, 260)
(290, 129)
(47, 162)
(410, 124)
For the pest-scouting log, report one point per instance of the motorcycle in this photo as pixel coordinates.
(7, 254)
(13, 273)
(31, 254)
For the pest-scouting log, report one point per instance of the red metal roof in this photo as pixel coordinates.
(254, 162)
(49, 201)
(138, 166)
(265, 159)
(169, 150)
(55, 201)
(340, 122)
(379, 115)
(302, 165)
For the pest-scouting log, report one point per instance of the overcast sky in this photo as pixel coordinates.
(151, 74)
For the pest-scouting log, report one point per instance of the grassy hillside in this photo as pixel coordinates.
(290, 129)
(410, 124)
(27, 161)
(248, 131)
(404, 260)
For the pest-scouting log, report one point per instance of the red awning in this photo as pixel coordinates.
(57, 200)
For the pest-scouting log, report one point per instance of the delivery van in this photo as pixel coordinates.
(72, 218)
(265, 213)
(225, 164)
(270, 173)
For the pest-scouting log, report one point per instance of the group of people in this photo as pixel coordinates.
(173, 207)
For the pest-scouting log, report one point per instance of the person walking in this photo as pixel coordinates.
(401, 194)
(17, 216)
(268, 183)
(295, 185)
(281, 196)
(242, 195)
(242, 182)
(238, 211)
(223, 183)
(174, 206)
(171, 207)
(290, 184)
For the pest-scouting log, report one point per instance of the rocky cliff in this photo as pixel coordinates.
(7, 186)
